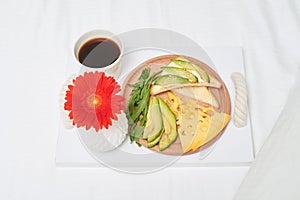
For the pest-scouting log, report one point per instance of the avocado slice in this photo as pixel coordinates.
(170, 128)
(181, 72)
(154, 136)
(154, 124)
(170, 79)
(192, 66)
(155, 141)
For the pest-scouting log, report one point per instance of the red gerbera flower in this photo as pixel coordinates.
(93, 101)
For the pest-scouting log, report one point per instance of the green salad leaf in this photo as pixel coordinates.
(138, 104)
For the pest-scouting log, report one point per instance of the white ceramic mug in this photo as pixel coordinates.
(111, 70)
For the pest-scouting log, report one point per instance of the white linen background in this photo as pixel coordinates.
(36, 39)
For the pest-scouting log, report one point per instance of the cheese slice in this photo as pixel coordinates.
(188, 124)
(174, 103)
(198, 93)
(197, 124)
(184, 113)
(210, 124)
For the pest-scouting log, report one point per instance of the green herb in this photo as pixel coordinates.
(138, 104)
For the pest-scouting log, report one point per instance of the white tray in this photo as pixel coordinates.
(234, 148)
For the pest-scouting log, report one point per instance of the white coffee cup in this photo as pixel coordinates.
(111, 70)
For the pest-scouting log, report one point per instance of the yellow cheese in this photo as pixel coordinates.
(188, 124)
(204, 124)
(174, 103)
(210, 124)
(197, 124)
(184, 113)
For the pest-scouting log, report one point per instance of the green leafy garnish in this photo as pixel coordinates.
(138, 104)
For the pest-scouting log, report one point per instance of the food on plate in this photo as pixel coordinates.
(138, 105)
(170, 79)
(175, 103)
(199, 93)
(181, 72)
(240, 104)
(183, 63)
(156, 89)
(210, 124)
(202, 75)
(154, 123)
(199, 124)
(161, 125)
(170, 129)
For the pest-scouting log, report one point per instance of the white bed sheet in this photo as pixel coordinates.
(36, 37)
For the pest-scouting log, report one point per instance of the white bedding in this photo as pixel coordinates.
(37, 36)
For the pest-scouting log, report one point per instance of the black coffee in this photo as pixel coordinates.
(99, 52)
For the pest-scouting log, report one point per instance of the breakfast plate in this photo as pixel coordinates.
(221, 94)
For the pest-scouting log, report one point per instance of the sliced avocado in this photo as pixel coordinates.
(170, 79)
(181, 72)
(154, 124)
(170, 128)
(154, 136)
(192, 66)
(155, 141)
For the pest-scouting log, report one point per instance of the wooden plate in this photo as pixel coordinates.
(154, 64)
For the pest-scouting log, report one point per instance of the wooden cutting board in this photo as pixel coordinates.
(155, 64)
